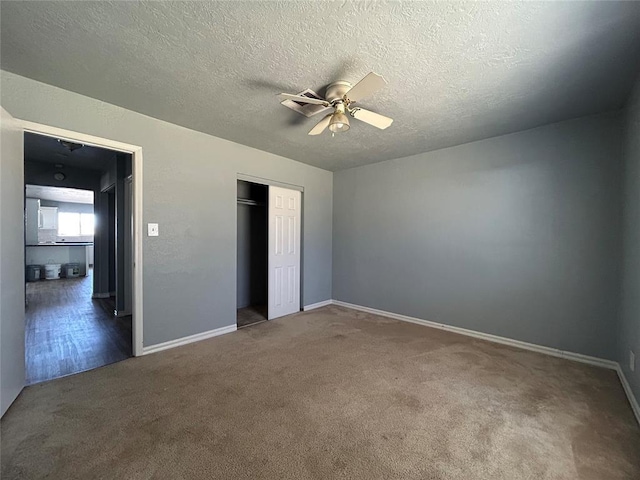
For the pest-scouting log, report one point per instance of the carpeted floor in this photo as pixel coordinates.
(331, 393)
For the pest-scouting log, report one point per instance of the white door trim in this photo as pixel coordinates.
(136, 153)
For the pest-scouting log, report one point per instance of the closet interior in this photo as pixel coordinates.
(252, 260)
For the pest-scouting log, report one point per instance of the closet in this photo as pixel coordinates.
(252, 259)
(269, 252)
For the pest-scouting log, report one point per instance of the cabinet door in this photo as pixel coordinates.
(49, 218)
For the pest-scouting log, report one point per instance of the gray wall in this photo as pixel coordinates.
(119, 229)
(108, 178)
(110, 246)
(101, 237)
(11, 262)
(629, 335)
(190, 190)
(111, 240)
(515, 236)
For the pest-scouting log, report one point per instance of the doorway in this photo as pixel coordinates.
(268, 252)
(74, 273)
(12, 320)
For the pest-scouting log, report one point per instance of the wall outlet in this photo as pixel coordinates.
(152, 229)
(632, 361)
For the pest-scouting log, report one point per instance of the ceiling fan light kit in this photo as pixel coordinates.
(70, 145)
(340, 96)
(339, 121)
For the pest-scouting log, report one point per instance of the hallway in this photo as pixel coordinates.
(69, 332)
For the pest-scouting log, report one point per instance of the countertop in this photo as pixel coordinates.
(62, 244)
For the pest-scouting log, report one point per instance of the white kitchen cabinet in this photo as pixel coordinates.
(49, 218)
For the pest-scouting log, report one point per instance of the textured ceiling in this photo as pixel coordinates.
(457, 72)
(40, 148)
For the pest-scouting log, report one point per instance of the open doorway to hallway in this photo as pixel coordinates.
(78, 251)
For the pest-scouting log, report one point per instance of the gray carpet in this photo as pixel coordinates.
(331, 393)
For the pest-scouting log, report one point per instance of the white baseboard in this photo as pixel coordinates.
(190, 339)
(600, 362)
(627, 389)
(313, 306)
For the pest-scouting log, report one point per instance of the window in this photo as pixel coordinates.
(86, 224)
(72, 224)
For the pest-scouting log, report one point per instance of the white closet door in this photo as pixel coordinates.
(284, 251)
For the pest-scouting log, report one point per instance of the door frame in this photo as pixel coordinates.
(136, 154)
(275, 183)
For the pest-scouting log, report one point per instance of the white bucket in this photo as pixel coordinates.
(52, 271)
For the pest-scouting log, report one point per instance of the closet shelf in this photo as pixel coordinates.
(246, 201)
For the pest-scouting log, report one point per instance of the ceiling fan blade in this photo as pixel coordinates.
(375, 119)
(321, 126)
(365, 87)
(303, 99)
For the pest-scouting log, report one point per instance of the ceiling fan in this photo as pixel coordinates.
(340, 97)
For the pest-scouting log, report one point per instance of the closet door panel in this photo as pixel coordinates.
(284, 251)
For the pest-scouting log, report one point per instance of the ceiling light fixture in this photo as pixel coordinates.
(70, 145)
(339, 121)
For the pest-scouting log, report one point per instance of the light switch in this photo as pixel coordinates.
(152, 229)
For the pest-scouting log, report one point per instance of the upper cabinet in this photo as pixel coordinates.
(48, 218)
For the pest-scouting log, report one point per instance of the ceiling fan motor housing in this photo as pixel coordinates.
(336, 91)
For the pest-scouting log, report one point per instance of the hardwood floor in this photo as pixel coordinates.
(69, 332)
(251, 315)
